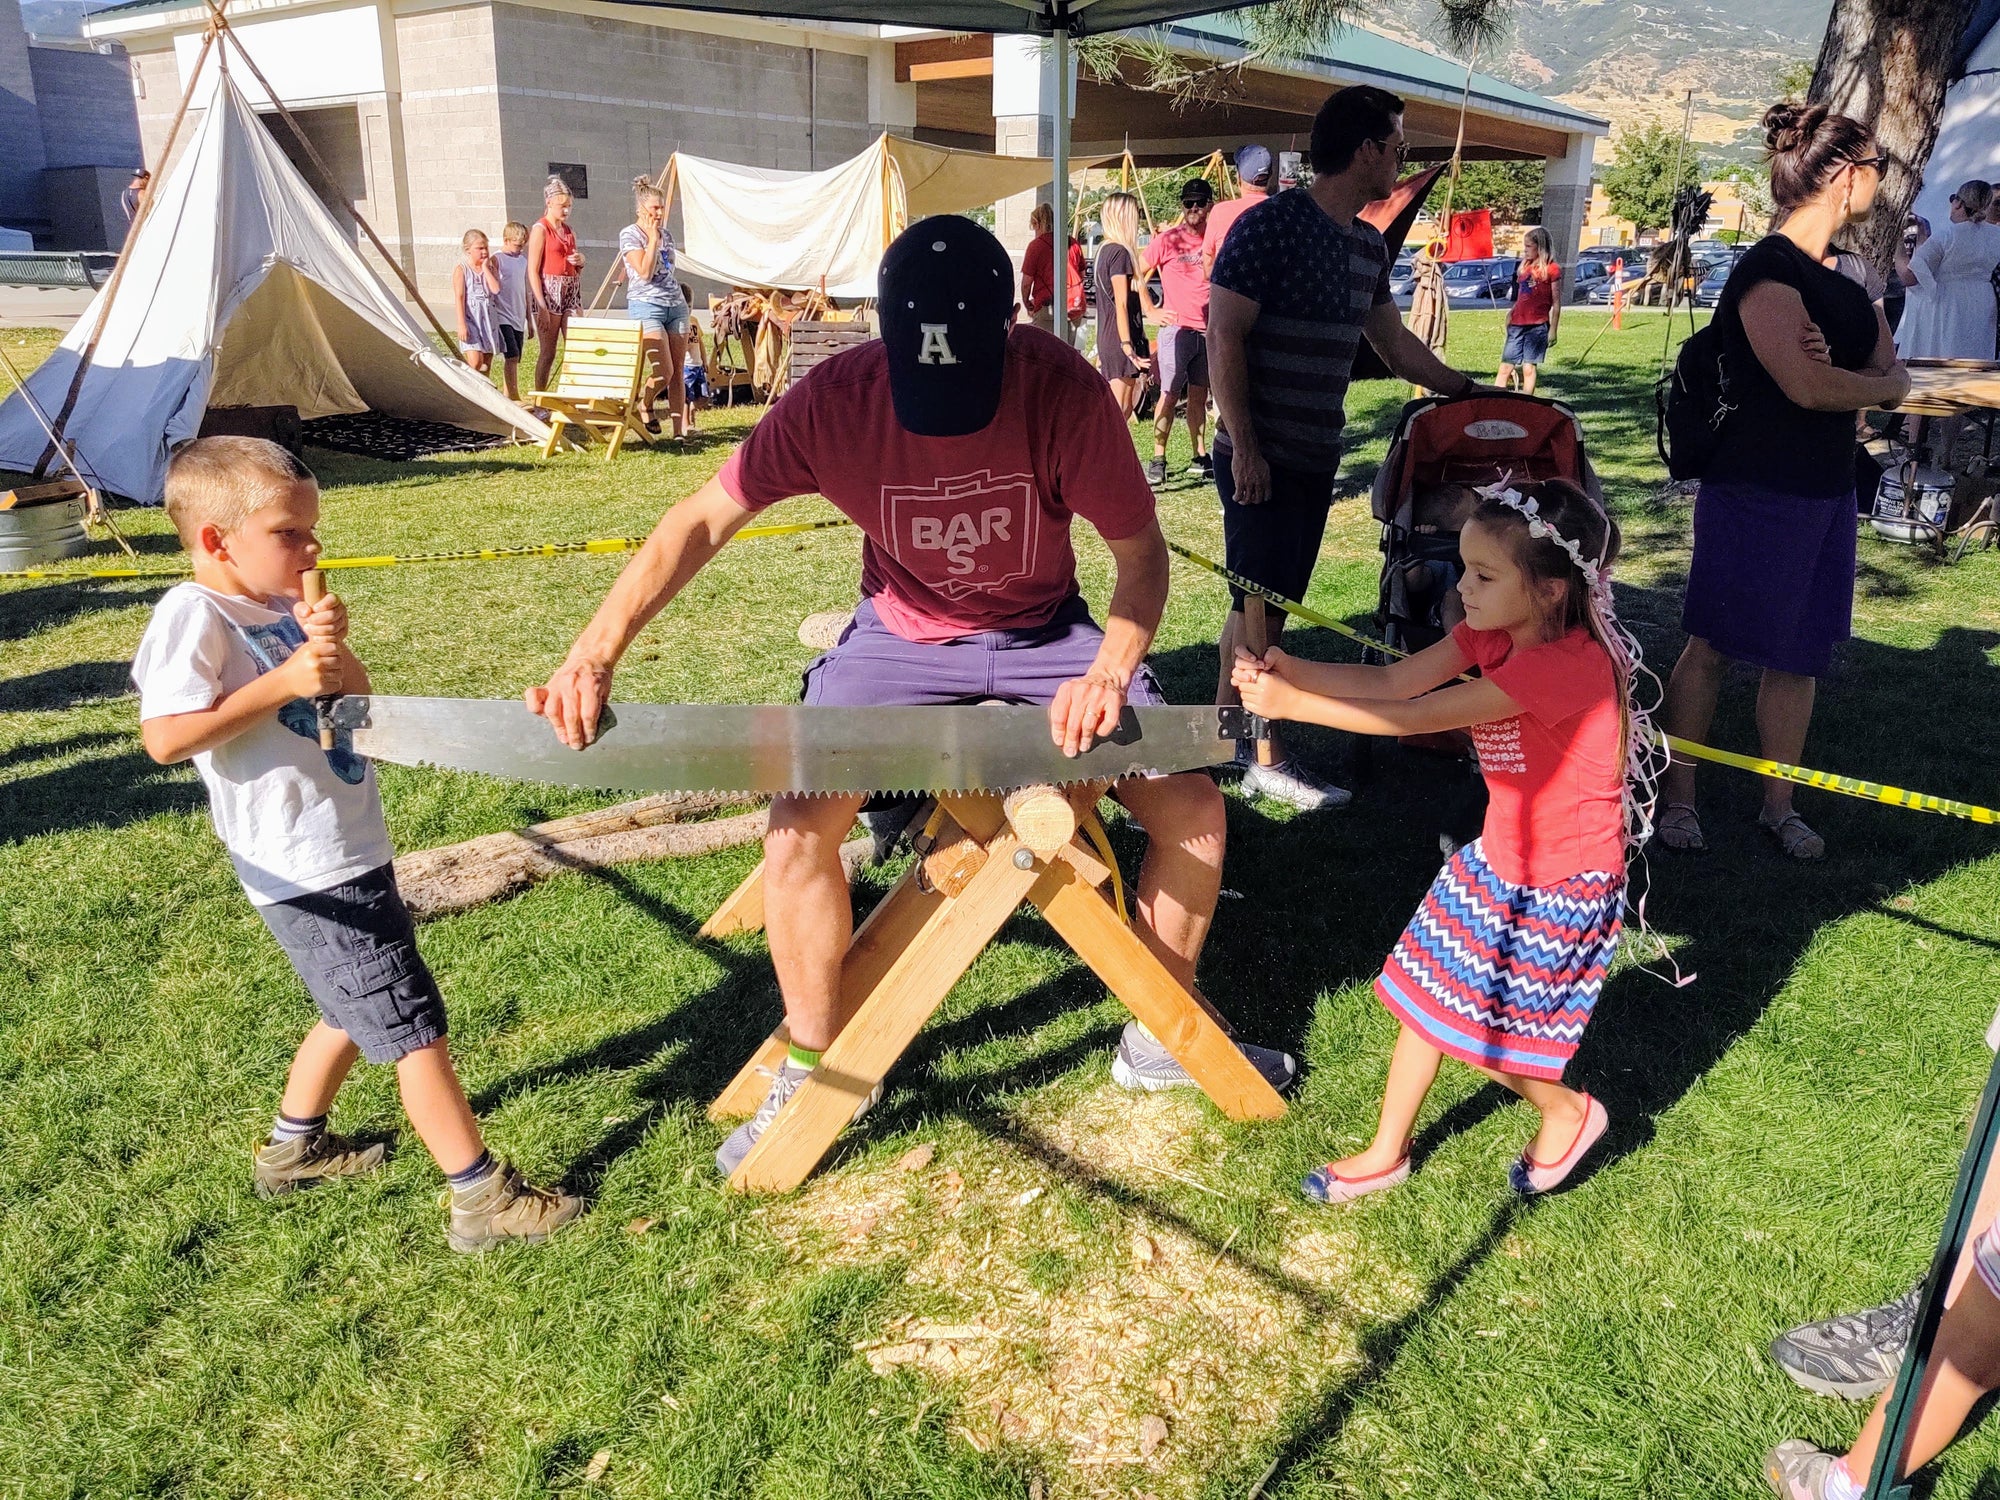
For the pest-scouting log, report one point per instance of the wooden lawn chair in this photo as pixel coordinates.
(603, 362)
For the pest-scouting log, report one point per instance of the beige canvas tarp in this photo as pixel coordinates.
(800, 231)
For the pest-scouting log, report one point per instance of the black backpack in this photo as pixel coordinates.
(1692, 403)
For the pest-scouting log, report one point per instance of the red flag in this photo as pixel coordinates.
(1471, 235)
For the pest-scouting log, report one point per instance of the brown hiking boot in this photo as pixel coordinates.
(503, 1208)
(286, 1166)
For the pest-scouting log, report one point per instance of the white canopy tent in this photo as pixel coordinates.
(240, 289)
(1968, 142)
(801, 231)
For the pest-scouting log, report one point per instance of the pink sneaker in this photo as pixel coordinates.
(1530, 1177)
(1324, 1185)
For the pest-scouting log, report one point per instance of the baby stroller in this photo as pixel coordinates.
(1427, 487)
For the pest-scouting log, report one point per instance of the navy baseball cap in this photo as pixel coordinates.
(945, 302)
(1253, 164)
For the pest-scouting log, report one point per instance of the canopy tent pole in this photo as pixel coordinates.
(1059, 302)
(57, 447)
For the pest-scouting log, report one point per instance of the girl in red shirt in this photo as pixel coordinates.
(1503, 962)
(1531, 326)
(554, 264)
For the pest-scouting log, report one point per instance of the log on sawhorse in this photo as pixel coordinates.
(985, 856)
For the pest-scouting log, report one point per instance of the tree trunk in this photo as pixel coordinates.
(1888, 63)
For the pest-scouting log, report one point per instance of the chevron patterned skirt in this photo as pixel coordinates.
(1504, 976)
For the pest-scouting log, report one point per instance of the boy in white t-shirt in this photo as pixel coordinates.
(226, 673)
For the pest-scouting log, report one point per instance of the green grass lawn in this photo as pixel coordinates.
(1165, 1316)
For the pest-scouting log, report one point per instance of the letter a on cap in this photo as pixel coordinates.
(936, 348)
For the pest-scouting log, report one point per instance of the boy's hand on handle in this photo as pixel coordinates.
(314, 670)
(325, 619)
(325, 622)
(572, 700)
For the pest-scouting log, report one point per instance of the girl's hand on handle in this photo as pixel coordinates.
(1261, 686)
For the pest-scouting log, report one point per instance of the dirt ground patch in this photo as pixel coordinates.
(1064, 1318)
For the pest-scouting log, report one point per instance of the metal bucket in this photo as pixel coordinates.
(1912, 507)
(37, 534)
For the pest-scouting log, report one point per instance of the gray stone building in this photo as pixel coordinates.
(69, 137)
(437, 116)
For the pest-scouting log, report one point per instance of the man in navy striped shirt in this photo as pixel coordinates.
(1297, 285)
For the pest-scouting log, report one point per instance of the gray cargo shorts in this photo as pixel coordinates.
(356, 949)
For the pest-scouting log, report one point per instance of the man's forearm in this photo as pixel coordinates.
(1229, 381)
(1137, 602)
(1410, 358)
(680, 545)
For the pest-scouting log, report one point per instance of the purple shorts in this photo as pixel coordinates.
(873, 667)
(1772, 578)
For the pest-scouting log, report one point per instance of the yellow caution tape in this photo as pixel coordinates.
(1825, 781)
(598, 545)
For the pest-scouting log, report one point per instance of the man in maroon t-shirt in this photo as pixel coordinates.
(961, 445)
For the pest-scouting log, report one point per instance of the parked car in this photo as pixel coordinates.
(1486, 281)
(1403, 278)
(1715, 274)
(1605, 287)
(1585, 276)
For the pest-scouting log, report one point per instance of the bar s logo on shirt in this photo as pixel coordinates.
(968, 534)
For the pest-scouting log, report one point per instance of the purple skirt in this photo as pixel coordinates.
(1772, 580)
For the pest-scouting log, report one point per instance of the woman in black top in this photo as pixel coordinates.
(1122, 352)
(1772, 580)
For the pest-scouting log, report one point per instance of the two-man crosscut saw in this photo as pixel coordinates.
(786, 749)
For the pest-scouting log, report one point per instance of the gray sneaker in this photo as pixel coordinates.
(1797, 1470)
(784, 1083)
(1853, 1356)
(1295, 786)
(1144, 1063)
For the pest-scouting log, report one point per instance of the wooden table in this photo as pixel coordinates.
(981, 856)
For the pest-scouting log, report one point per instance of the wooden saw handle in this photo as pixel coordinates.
(312, 588)
(1256, 641)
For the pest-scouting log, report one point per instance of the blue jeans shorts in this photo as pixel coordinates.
(1527, 344)
(655, 317)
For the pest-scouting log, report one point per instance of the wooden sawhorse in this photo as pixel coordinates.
(987, 854)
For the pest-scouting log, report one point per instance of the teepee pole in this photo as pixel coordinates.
(326, 172)
(56, 445)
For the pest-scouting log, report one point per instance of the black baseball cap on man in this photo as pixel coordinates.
(945, 302)
(1195, 192)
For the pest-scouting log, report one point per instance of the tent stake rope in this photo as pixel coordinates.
(326, 174)
(56, 444)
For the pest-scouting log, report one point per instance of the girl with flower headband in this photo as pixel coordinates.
(1504, 960)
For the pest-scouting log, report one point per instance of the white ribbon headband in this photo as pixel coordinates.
(1540, 529)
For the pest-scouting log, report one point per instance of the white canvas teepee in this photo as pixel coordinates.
(241, 290)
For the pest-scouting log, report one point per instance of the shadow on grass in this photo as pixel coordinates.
(50, 606)
(65, 687)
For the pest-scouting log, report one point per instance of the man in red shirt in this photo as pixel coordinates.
(961, 445)
(1038, 275)
(1253, 186)
(1175, 252)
